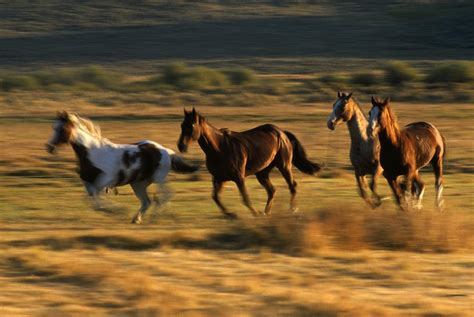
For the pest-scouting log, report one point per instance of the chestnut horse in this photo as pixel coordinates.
(403, 152)
(231, 156)
(364, 153)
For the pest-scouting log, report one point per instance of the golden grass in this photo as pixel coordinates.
(334, 258)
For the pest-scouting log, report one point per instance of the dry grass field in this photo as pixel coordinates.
(336, 257)
(111, 60)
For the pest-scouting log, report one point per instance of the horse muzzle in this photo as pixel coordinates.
(182, 147)
(331, 125)
(51, 149)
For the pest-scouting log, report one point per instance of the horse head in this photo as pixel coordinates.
(191, 129)
(63, 127)
(341, 110)
(376, 114)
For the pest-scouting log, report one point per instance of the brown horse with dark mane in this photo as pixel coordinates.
(231, 156)
(403, 152)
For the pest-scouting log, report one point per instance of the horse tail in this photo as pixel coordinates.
(444, 146)
(181, 166)
(300, 160)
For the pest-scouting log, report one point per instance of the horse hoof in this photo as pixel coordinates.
(294, 210)
(231, 216)
(376, 203)
(136, 220)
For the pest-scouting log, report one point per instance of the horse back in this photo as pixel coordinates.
(257, 147)
(421, 141)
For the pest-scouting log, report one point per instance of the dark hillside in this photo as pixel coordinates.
(53, 32)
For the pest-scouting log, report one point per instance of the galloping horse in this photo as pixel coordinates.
(231, 156)
(364, 153)
(403, 152)
(103, 164)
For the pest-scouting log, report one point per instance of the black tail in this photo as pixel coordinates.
(180, 166)
(300, 159)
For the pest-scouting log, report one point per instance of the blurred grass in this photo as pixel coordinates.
(60, 257)
(178, 83)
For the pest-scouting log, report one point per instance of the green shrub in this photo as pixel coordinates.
(23, 82)
(332, 79)
(174, 73)
(60, 77)
(398, 72)
(240, 76)
(364, 79)
(97, 76)
(457, 72)
(203, 77)
(189, 78)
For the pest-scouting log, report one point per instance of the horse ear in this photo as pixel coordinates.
(386, 101)
(349, 95)
(195, 115)
(372, 99)
(339, 94)
(64, 115)
(185, 112)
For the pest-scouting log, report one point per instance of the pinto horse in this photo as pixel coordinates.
(103, 164)
(365, 151)
(231, 156)
(403, 152)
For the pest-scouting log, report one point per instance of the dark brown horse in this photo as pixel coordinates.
(403, 152)
(231, 156)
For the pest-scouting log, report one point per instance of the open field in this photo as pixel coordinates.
(335, 258)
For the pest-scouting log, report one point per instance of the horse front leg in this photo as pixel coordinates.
(411, 188)
(140, 191)
(217, 189)
(397, 191)
(362, 184)
(373, 188)
(95, 195)
(245, 196)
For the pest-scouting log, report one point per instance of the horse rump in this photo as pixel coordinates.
(300, 159)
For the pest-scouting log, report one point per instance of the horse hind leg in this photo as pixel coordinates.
(288, 176)
(140, 191)
(264, 180)
(418, 189)
(437, 163)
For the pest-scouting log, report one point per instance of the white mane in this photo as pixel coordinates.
(87, 126)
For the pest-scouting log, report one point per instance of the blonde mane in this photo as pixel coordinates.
(88, 126)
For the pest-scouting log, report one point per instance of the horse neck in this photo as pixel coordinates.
(86, 140)
(210, 139)
(389, 135)
(357, 126)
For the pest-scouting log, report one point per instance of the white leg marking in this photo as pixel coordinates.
(439, 196)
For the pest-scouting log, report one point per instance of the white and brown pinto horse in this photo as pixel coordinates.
(103, 164)
(403, 152)
(364, 152)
